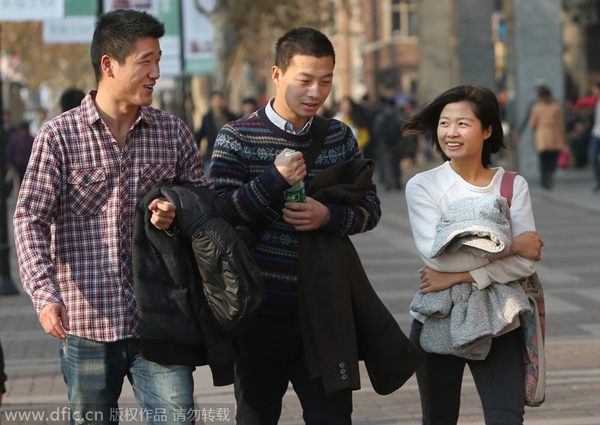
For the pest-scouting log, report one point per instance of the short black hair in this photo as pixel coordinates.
(544, 91)
(302, 41)
(71, 98)
(216, 93)
(387, 101)
(485, 107)
(117, 32)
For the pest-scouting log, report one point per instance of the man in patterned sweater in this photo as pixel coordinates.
(251, 170)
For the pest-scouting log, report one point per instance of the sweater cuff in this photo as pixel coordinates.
(272, 182)
(336, 222)
(482, 280)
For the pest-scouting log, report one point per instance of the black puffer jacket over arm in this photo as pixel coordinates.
(197, 289)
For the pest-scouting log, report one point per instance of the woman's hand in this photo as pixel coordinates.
(528, 245)
(432, 281)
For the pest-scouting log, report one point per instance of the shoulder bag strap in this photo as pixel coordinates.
(506, 186)
(316, 145)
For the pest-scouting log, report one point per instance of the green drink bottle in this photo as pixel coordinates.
(296, 193)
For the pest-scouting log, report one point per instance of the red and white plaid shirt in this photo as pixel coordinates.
(74, 215)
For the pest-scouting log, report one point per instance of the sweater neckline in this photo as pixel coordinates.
(472, 187)
(280, 133)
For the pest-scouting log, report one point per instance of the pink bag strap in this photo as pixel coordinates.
(506, 186)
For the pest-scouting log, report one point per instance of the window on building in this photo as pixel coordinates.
(403, 18)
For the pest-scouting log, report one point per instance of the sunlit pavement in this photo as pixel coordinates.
(568, 218)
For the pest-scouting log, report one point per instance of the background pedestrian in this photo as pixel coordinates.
(548, 125)
(594, 146)
(212, 122)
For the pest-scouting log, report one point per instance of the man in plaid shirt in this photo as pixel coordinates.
(74, 220)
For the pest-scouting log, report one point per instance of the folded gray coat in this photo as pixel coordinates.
(462, 320)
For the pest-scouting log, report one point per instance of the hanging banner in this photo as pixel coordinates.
(150, 6)
(168, 13)
(31, 10)
(76, 27)
(198, 34)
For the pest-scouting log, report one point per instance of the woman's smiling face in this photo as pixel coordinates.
(460, 133)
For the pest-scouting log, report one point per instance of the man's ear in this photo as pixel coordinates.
(276, 74)
(106, 63)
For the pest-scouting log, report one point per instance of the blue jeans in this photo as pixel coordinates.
(499, 379)
(273, 356)
(593, 152)
(95, 371)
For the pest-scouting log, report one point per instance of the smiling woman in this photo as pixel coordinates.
(465, 128)
(461, 135)
(484, 106)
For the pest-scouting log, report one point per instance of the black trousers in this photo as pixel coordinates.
(500, 382)
(273, 356)
(548, 160)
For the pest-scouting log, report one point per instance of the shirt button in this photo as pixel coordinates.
(343, 371)
(342, 365)
(344, 377)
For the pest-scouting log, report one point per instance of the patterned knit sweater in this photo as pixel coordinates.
(243, 172)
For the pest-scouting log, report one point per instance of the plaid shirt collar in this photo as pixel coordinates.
(90, 114)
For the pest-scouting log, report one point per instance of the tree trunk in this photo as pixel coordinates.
(224, 40)
(222, 29)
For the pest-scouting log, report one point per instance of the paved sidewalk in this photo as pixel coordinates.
(568, 217)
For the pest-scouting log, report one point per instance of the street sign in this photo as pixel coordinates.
(72, 21)
(31, 10)
(70, 29)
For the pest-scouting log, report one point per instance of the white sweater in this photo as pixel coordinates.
(429, 193)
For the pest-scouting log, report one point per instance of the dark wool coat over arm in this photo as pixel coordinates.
(343, 320)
